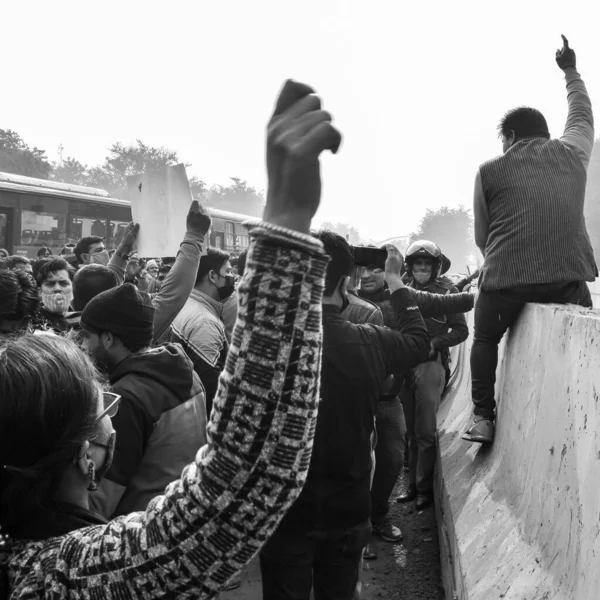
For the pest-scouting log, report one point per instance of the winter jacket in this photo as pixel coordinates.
(449, 329)
(160, 425)
(199, 328)
(210, 523)
(430, 304)
(357, 359)
(360, 310)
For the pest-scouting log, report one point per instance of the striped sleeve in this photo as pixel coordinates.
(210, 523)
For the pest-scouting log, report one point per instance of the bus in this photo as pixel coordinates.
(36, 213)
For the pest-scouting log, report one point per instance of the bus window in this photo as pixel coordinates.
(120, 217)
(4, 230)
(229, 236)
(86, 219)
(241, 236)
(43, 223)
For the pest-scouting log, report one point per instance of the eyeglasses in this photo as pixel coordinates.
(111, 405)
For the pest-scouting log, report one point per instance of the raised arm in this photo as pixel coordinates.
(408, 344)
(212, 521)
(436, 305)
(579, 130)
(179, 283)
(119, 260)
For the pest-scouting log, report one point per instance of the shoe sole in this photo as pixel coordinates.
(389, 539)
(476, 439)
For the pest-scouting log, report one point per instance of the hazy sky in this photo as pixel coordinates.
(417, 88)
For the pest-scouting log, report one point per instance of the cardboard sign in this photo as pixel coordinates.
(160, 201)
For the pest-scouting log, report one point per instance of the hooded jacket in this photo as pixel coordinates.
(199, 328)
(160, 425)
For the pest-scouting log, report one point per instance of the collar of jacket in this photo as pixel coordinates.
(380, 295)
(63, 518)
(214, 305)
(331, 309)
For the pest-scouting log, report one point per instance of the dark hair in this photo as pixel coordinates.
(19, 296)
(342, 260)
(49, 405)
(89, 281)
(525, 122)
(83, 245)
(43, 251)
(12, 261)
(50, 266)
(213, 260)
(241, 264)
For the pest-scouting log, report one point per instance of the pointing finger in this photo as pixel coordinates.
(565, 41)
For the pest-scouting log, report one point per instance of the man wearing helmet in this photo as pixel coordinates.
(390, 423)
(425, 266)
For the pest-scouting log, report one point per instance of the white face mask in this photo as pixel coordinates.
(57, 303)
(422, 278)
(100, 258)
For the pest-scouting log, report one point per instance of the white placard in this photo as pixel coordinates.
(160, 201)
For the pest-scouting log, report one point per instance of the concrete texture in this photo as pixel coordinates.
(521, 519)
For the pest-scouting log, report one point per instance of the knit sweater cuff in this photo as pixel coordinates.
(284, 236)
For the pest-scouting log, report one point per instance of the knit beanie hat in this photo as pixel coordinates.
(151, 263)
(123, 311)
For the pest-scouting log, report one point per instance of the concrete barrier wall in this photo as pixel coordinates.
(521, 519)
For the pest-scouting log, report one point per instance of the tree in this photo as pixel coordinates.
(348, 232)
(70, 171)
(18, 158)
(238, 197)
(125, 161)
(199, 189)
(592, 200)
(452, 230)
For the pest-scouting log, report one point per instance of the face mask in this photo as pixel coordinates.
(422, 278)
(100, 258)
(228, 288)
(57, 303)
(110, 452)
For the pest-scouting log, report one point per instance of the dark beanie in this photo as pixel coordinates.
(123, 311)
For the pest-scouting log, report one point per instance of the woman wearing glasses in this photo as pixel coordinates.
(56, 443)
(56, 433)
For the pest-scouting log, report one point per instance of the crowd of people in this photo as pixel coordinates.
(157, 433)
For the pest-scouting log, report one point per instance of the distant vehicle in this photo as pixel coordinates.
(38, 212)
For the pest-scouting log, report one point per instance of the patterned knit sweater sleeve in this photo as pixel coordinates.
(210, 523)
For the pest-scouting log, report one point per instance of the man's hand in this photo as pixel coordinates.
(393, 268)
(133, 269)
(565, 57)
(296, 135)
(129, 239)
(198, 220)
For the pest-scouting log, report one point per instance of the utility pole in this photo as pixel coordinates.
(60, 152)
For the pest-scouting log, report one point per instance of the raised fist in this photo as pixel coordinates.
(198, 220)
(298, 132)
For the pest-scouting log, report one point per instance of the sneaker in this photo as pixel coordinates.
(388, 532)
(481, 431)
(424, 499)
